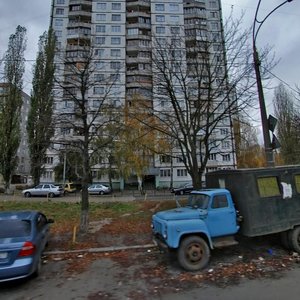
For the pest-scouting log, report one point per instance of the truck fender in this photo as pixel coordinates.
(190, 227)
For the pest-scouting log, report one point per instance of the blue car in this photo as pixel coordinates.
(23, 238)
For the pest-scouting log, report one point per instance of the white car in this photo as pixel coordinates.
(98, 189)
(49, 190)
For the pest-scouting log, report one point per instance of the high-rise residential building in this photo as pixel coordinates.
(124, 36)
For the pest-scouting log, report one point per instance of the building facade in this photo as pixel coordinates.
(124, 36)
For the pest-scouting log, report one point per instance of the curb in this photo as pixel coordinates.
(100, 250)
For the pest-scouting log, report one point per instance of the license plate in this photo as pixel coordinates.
(3, 255)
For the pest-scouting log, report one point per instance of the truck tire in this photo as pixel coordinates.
(295, 239)
(193, 253)
(285, 239)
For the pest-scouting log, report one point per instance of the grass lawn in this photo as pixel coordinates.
(132, 217)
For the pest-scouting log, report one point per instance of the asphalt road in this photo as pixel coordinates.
(141, 275)
(115, 197)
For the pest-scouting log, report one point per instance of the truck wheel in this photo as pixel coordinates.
(193, 253)
(285, 239)
(295, 239)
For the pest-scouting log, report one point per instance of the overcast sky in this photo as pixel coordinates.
(282, 30)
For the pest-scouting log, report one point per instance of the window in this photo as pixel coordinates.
(97, 103)
(58, 33)
(59, 11)
(99, 90)
(175, 30)
(214, 26)
(224, 131)
(226, 157)
(115, 40)
(115, 28)
(219, 201)
(165, 159)
(160, 30)
(132, 31)
(165, 173)
(116, 6)
(100, 65)
(100, 28)
(99, 77)
(268, 186)
(65, 131)
(159, 7)
(58, 22)
(160, 18)
(60, 1)
(99, 52)
(115, 17)
(179, 159)
(101, 17)
(115, 52)
(225, 144)
(181, 172)
(115, 77)
(115, 65)
(212, 156)
(101, 6)
(174, 7)
(100, 40)
(48, 159)
(297, 183)
(174, 19)
(212, 4)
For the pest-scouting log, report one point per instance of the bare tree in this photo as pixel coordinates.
(11, 104)
(200, 82)
(88, 108)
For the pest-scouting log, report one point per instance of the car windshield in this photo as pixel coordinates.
(198, 201)
(14, 228)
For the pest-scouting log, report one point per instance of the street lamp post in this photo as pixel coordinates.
(263, 111)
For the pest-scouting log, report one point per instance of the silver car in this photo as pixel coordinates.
(98, 189)
(49, 190)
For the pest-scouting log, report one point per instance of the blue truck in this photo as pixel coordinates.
(250, 202)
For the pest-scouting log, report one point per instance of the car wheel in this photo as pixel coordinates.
(193, 253)
(27, 195)
(51, 195)
(101, 193)
(38, 268)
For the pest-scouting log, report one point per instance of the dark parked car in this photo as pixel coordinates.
(23, 238)
(185, 189)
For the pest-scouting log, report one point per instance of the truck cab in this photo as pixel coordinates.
(208, 220)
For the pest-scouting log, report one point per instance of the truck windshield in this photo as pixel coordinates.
(198, 201)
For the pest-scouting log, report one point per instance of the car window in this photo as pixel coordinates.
(46, 186)
(39, 186)
(219, 201)
(14, 228)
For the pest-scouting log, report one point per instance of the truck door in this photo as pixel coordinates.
(221, 218)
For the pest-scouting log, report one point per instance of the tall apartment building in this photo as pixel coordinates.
(121, 33)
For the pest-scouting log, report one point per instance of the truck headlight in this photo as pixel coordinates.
(165, 233)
